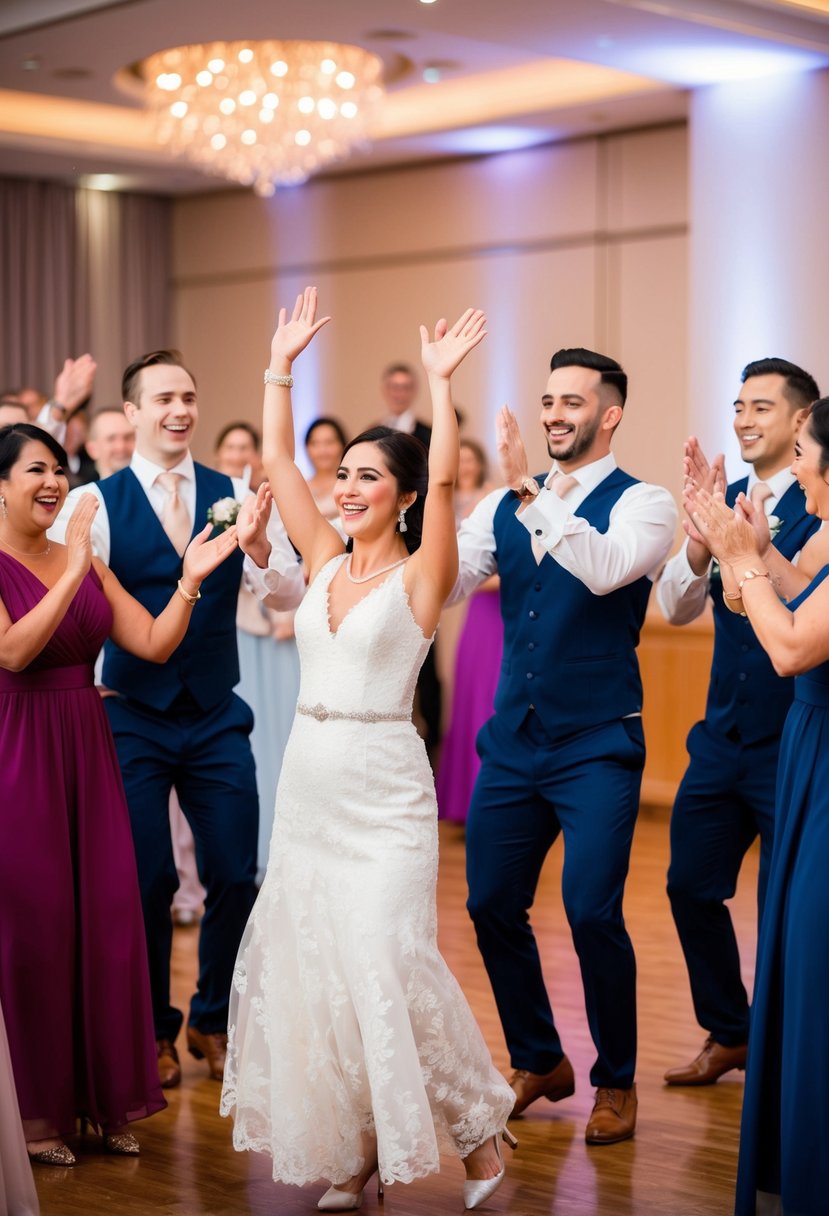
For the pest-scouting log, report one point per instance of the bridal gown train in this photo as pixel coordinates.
(344, 1017)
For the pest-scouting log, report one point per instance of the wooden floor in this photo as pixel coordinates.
(681, 1163)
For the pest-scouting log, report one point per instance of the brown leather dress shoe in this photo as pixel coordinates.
(210, 1047)
(613, 1118)
(710, 1064)
(169, 1069)
(555, 1085)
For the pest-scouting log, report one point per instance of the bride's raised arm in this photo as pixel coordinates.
(309, 531)
(435, 565)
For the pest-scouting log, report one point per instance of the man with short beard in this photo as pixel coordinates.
(577, 550)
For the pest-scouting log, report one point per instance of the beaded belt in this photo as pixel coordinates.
(322, 714)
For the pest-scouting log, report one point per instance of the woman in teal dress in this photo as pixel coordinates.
(784, 1143)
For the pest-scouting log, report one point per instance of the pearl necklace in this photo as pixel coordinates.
(25, 552)
(375, 574)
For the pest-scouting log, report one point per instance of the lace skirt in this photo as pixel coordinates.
(344, 1017)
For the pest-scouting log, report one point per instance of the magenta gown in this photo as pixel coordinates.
(477, 668)
(73, 966)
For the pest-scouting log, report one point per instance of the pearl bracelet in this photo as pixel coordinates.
(284, 381)
(185, 594)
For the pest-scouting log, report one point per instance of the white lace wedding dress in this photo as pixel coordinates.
(344, 1017)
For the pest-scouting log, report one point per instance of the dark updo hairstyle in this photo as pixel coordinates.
(818, 423)
(408, 463)
(13, 440)
(336, 427)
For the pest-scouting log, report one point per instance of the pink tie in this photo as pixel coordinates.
(760, 491)
(561, 484)
(175, 518)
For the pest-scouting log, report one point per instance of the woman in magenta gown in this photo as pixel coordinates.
(73, 968)
(477, 661)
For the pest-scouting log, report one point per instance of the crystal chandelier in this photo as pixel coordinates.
(263, 113)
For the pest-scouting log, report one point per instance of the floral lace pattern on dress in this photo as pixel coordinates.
(344, 1016)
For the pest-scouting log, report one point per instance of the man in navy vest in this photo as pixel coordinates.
(577, 551)
(180, 723)
(727, 794)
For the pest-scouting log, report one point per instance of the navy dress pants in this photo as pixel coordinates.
(532, 787)
(725, 799)
(207, 757)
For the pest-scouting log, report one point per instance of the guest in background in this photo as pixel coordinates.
(784, 1166)
(110, 441)
(324, 443)
(80, 469)
(268, 659)
(73, 965)
(12, 412)
(477, 661)
(237, 451)
(398, 386)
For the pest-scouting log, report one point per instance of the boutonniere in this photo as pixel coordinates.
(775, 524)
(222, 514)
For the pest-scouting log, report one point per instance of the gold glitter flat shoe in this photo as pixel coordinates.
(121, 1144)
(60, 1155)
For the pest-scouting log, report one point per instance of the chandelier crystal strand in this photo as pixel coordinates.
(263, 113)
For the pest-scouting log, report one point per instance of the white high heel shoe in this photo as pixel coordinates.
(477, 1190)
(335, 1200)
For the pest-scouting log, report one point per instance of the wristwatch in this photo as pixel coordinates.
(528, 489)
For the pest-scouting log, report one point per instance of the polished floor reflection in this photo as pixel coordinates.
(681, 1163)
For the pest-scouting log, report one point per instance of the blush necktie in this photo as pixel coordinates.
(760, 491)
(175, 518)
(561, 484)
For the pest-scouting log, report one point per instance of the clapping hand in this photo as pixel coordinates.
(293, 336)
(698, 473)
(252, 523)
(727, 534)
(78, 539)
(202, 556)
(449, 347)
(512, 455)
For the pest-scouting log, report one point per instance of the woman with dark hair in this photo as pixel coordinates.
(351, 1048)
(784, 1164)
(324, 443)
(73, 966)
(477, 660)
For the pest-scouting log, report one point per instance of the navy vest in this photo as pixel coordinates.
(745, 692)
(569, 653)
(206, 664)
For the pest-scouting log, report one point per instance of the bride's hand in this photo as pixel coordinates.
(450, 347)
(293, 336)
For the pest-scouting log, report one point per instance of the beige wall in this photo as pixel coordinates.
(575, 244)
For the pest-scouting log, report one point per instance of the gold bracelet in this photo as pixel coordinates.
(752, 574)
(185, 595)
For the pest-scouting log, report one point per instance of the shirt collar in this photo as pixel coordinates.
(147, 471)
(402, 422)
(778, 484)
(588, 476)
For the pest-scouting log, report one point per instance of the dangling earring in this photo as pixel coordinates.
(3, 506)
(401, 521)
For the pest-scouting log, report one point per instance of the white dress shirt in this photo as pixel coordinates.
(280, 586)
(640, 532)
(401, 422)
(681, 594)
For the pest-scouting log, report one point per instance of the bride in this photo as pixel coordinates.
(351, 1048)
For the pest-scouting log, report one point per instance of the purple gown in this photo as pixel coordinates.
(73, 967)
(477, 668)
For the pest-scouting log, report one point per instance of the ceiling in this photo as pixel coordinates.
(510, 74)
